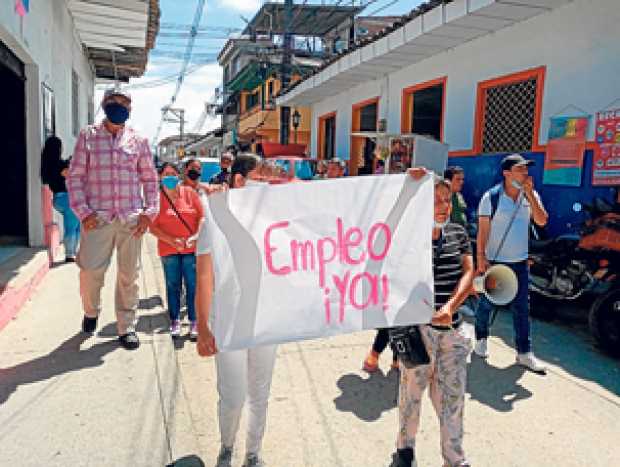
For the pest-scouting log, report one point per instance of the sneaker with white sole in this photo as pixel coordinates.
(175, 328)
(252, 460)
(224, 458)
(193, 331)
(529, 361)
(481, 349)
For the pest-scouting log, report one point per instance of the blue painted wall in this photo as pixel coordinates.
(482, 172)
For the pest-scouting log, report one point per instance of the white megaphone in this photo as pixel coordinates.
(499, 284)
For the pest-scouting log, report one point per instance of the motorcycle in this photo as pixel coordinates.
(570, 266)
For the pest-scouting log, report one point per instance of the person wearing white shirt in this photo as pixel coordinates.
(504, 217)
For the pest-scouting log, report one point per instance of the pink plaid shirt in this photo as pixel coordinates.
(113, 176)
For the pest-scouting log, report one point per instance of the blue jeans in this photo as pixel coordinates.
(71, 224)
(520, 308)
(180, 268)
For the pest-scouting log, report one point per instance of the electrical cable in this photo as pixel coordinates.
(186, 60)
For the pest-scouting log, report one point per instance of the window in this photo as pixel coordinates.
(327, 136)
(508, 117)
(423, 108)
(251, 101)
(368, 117)
(75, 104)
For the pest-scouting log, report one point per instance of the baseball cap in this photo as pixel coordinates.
(513, 160)
(116, 92)
(227, 155)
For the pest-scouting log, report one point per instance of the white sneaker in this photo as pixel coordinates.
(480, 348)
(529, 361)
(175, 328)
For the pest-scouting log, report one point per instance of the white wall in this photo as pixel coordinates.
(579, 44)
(45, 40)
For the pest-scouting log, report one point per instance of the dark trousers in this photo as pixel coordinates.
(382, 339)
(519, 307)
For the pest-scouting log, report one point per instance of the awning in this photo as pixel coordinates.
(249, 78)
(117, 34)
(422, 36)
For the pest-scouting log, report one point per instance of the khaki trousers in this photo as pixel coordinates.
(93, 259)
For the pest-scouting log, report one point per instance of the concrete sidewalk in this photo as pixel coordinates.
(69, 400)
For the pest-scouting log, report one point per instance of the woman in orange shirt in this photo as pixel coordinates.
(176, 228)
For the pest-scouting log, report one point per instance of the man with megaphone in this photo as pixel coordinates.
(504, 217)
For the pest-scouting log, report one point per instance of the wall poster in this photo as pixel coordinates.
(606, 161)
(565, 151)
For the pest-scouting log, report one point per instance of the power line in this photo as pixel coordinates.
(186, 60)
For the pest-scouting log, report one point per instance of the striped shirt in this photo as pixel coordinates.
(448, 252)
(112, 176)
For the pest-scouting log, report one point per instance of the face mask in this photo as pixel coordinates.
(193, 174)
(170, 181)
(116, 113)
(440, 225)
(516, 184)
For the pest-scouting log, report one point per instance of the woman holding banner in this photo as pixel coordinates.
(434, 355)
(244, 373)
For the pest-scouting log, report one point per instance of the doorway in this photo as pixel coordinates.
(14, 187)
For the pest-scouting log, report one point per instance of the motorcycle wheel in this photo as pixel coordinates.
(542, 307)
(604, 321)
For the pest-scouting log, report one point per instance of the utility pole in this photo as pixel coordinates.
(285, 72)
(178, 116)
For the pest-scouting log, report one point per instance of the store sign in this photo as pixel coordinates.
(606, 162)
(317, 259)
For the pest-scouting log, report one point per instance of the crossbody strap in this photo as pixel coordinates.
(512, 219)
(178, 214)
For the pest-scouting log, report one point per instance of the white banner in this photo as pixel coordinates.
(316, 259)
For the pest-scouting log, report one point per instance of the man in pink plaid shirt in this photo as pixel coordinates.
(113, 189)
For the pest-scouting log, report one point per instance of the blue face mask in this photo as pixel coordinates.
(170, 181)
(116, 113)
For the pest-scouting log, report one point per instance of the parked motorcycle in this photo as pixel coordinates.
(568, 267)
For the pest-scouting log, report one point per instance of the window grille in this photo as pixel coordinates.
(509, 115)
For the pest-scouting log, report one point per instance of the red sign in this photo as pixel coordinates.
(606, 161)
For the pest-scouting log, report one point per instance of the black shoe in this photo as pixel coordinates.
(403, 458)
(130, 341)
(69, 259)
(89, 324)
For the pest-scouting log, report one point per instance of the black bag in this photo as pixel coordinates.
(408, 344)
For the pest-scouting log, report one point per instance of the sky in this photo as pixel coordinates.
(199, 86)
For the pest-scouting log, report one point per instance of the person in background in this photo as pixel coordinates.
(223, 176)
(53, 172)
(321, 170)
(176, 228)
(192, 171)
(244, 373)
(504, 214)
(113, 189)
(380, 167)
(335, 168)
(456, 176)
(371, 362)
(443, 339)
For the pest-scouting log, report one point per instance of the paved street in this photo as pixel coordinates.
(68, 400)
